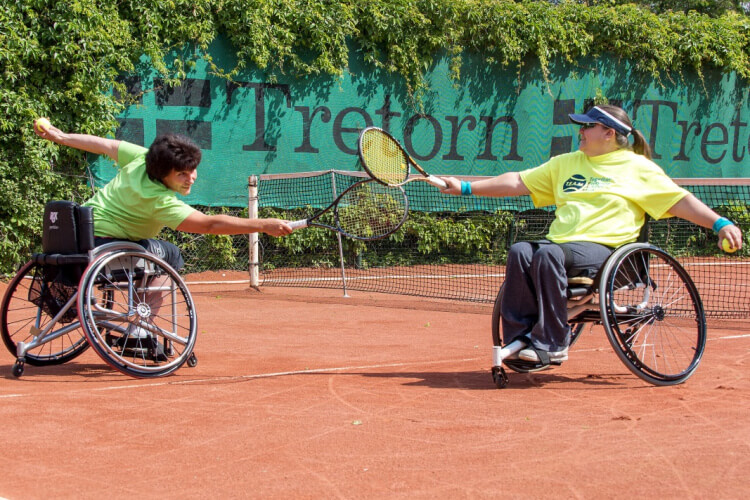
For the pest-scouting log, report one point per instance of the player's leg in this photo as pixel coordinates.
(550, 334)
(583, 258)
(551, 267)
(518, 309)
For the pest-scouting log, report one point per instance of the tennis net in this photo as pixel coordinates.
(454, 247)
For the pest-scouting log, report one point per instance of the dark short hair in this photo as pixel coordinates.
(171, 152)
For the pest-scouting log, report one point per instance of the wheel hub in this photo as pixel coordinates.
(659, 313)
(143, 310)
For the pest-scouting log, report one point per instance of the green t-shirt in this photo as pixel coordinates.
(132, 206)
(602, 199)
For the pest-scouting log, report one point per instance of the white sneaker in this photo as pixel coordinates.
(136, 332)
(554, 357)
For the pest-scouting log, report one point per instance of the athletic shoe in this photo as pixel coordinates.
(554, 357)
(136, 332)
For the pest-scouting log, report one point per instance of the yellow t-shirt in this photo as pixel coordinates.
(132, 206)
(602, 199)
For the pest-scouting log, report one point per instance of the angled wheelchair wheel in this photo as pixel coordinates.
(652, 313)
(29, 307)
(516, 365)
(137, 313)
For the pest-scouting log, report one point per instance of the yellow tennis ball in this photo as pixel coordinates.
(42, 124)
(403, 166)
(727, 247)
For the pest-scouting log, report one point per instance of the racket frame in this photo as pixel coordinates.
(435, 181)
(311, 221)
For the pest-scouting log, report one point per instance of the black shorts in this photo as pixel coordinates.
(165, 250)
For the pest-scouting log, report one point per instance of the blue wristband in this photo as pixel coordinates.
(720, 223)
(466, 188)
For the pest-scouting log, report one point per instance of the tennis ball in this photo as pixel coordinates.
(727, 247)
(42, 124)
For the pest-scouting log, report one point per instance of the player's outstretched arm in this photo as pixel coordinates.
(200, 223)
(84, 142)
(693, 210)
(507, 184)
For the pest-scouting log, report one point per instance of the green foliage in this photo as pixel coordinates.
(303, 37)
(424, 239)
(713, 8)
(206, 252)
(62, 59)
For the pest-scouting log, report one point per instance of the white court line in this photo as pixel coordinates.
(732, 337)
(728, 337)
(261, 375)
(301, 372)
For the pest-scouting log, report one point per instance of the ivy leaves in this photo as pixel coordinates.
(62, 60)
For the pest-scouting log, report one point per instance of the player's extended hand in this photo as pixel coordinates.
(47, 130)
(454, 186)
(733, 235)
(276, 227)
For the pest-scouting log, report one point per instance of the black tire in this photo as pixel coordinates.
(19, 316)
(520, 366)
(653, 314)
(499, 377)
(119, 291)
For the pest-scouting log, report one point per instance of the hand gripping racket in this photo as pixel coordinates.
(365, 211)
(386, 161)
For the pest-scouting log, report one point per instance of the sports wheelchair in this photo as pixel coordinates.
(129, 305)
(648, 306)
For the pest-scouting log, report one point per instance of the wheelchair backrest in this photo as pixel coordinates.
(68, 228)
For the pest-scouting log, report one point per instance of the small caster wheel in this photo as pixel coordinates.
(18, 367)
(192, 360)
(499, 377)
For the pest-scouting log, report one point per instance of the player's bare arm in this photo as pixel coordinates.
(692, 209)
(84, 142)
(198, 222)
(507, 184)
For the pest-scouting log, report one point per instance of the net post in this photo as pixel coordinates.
(338, 237)
(252, 213)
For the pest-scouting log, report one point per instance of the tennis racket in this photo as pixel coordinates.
(386, 161)
(365, 211)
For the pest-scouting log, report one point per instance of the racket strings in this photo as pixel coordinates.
(384, 158)
(371, 210)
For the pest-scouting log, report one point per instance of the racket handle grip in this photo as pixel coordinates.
(298, 224)
(436, 181)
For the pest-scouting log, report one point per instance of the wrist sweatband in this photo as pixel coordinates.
(466, 188)
(720, 223)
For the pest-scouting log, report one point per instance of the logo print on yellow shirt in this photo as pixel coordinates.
(574, 183)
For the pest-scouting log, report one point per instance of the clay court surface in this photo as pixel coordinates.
(304, 393)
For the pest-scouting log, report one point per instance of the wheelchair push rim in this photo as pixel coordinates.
(655, 318)
(137, 313)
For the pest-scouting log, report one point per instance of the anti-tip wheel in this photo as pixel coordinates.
(192, 361)
(499, 377)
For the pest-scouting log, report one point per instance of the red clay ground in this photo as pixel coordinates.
(302, 393)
